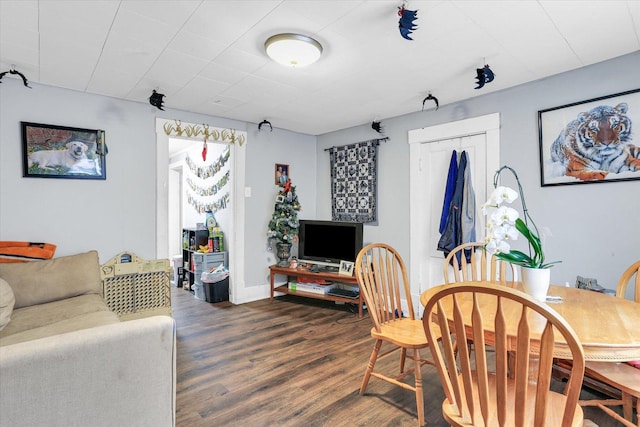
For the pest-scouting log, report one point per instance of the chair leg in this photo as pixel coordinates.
(627, 407)
(418, 378)
(370, 365)
(403, 357)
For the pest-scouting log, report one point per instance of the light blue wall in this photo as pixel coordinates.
(266, 149)
(596, 227)
(118, 214)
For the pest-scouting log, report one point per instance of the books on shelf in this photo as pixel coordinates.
(321, 287)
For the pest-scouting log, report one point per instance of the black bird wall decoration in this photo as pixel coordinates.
(377, 126)
(14, 71)
(265, 123)
(431, 98)
(156, 100)
(406, 23)
(483, 75)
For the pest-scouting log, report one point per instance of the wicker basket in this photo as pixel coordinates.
(136, 288)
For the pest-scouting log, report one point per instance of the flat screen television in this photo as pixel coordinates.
(327, 243)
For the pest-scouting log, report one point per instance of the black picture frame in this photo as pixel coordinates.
(574, 158)
(52, 151)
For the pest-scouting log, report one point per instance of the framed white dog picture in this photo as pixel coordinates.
(50, 151)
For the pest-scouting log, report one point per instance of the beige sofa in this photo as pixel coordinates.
(67, 360)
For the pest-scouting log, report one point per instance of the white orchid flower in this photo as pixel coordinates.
(504, 214)
(510, 232)
(503, 247)
(505, 232)
(503, 194)
(490, 224)
(490, 245)
(500, 228)
(487, 208)
(497, 246)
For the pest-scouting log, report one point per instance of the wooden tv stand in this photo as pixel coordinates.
(332, 277)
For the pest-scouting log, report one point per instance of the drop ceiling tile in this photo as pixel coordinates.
(358, 22)
(55, 69)
(523, 31)
(197, 91)
(241, 61)
(133, 55)
(85, 22)
(194, 45)
(175, 67)
(225, 21)
(366, 69)
(221, 73)
(18, 14)
(114, 82)
(634, 10)
(255, 89)
(587, 41)
(23, 58)
(166, 11)
(225, 101)
(323, 13)
(138, 27)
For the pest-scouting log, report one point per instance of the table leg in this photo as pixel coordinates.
(271, 274)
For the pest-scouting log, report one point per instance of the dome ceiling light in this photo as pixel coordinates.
(293, 50)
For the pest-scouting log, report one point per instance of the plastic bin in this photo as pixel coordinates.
(176, 263)
(216, 291)
(198, 291)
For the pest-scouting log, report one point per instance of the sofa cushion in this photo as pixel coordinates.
(7, 301)
(39, 282)
(43, 320)
(39, 315)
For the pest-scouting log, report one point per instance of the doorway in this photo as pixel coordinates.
(166, 178)
(429, 152)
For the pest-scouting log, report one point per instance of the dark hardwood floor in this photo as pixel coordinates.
(290, 362)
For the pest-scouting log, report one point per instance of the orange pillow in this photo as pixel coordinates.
(11, 251)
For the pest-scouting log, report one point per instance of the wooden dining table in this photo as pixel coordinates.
(608, 327)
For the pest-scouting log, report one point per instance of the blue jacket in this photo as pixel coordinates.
(452, 234)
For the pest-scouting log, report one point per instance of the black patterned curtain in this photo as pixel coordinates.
(354, 182)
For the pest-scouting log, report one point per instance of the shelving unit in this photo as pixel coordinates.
(196, 262)
(331, 277)
(192, 239)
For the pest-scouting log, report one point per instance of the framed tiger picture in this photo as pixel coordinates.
(590, 141)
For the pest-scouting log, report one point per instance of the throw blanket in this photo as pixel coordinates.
(25, 251)
(354, 182)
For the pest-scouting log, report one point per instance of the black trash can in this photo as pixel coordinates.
(216, 291)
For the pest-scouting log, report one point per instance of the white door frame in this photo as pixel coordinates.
(488, 125)
(236, 196)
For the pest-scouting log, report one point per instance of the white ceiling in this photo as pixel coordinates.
(208, 56)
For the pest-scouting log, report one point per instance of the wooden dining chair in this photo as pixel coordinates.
(383, 282)
(476, 397)
(630, 275)
(480, 267)
(620, 376)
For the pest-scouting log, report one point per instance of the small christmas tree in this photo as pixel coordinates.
(283, 227)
